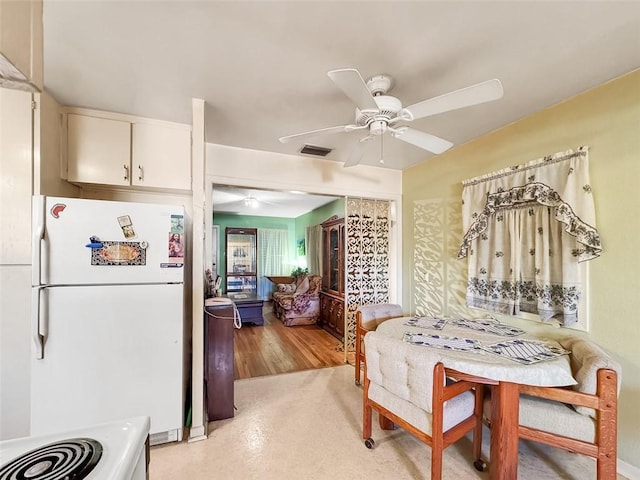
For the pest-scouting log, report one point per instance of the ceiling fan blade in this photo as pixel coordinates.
(465, 97)
(357, 152)
(423, 140)
(351, 83)
(315, 133)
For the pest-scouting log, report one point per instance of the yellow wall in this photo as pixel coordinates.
(607, 119)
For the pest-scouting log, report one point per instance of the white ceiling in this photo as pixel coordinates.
(262, 66)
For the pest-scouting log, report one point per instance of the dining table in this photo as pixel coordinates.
(505, 356)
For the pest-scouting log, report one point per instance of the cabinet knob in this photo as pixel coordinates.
(140, 173)
(126, 172)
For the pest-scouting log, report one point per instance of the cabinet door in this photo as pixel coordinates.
(333, 256)
(98, 150)
(331, 319)
(335, 251)
(161, 156)
(339, 317)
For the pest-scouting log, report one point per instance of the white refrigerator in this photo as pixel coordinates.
(107, 315)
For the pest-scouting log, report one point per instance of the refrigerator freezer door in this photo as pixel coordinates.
(111, 352)
(136, 239)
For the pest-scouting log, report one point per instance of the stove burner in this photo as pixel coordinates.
(71, 459)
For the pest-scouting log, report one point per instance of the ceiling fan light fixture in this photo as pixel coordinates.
(378, 127)
(250, 202)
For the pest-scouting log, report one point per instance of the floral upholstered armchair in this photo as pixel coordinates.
(298, 303)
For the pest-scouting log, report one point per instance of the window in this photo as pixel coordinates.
(528, 228)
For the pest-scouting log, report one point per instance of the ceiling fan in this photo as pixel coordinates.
(379, 113)
(232, 198)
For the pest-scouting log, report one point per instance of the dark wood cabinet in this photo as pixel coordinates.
(332, 293)
(219, 361)
(332, 314)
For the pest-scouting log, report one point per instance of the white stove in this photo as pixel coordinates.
(109, 451)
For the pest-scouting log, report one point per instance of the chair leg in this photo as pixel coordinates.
(606, 467)
(436, 460)
(437, 421)
(358, 350)
(367, 412)
(607, 425)
(385, 423)
(477, 430)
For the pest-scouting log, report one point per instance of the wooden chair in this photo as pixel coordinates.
(582, 418)
(368, 317)
(405, 383)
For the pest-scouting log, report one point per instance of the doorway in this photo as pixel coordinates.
(273, 348)
(239, 194)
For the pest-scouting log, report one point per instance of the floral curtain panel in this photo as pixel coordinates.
(526, 228)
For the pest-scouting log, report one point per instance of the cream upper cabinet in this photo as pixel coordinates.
(98, 150)
(127, 151)
(161, 156)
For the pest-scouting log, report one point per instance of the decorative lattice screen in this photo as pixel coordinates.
(367, 258)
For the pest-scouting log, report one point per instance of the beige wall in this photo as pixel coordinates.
(607, 119)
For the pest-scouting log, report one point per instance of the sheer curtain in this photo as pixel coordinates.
(527, 227)
(313, 240)
(273, 258)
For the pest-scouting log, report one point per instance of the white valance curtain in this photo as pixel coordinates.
(273, 258)
(526, 228)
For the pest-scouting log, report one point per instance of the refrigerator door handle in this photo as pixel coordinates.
(38, 321)
(38, 210)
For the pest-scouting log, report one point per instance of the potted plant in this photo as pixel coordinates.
(299, 272)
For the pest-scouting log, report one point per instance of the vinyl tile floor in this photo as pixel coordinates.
(308, 425)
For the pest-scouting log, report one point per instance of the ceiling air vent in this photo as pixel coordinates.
(317, 151)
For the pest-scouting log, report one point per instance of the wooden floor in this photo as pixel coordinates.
(272, 348)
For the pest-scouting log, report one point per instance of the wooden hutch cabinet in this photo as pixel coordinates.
(332, 293)
(242, 258)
